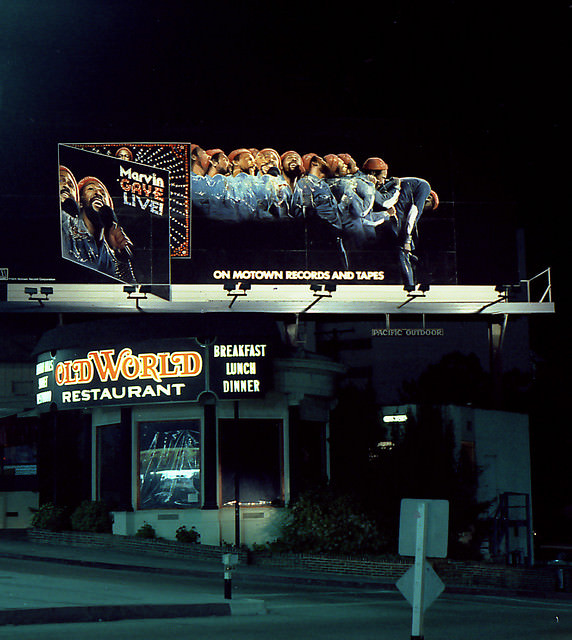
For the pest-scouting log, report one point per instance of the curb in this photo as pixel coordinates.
(111, 613)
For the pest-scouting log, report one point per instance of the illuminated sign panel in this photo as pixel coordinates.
(238, 369)
(157, 371)
(115, 216)
(270, 217)
(160, 157)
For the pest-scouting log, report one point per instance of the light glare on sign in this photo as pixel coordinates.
(43, 397)
(396, 418)
(44, 367)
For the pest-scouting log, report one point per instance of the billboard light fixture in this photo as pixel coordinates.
(320, 291)
(236, 290)
(135, 292)
(413, 292)
(32, 293)
(323, 290)
(420, 289)
(504, 290)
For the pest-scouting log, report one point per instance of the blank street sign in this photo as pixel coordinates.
(437, 527)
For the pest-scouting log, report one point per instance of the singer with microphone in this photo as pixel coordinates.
(93, 236)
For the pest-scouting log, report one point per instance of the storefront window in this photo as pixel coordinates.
(169, 464)
(251, 462)
(21, 460)
(114, 465)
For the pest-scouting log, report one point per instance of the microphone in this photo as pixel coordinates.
(108, 219)
(107, 216)
(71, 207)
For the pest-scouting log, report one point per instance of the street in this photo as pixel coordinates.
(336, 616)
(294, 610)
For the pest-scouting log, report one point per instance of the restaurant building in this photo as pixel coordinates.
(183, 421)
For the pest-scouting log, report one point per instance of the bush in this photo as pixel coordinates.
(190, 536)
(91, 516)
(321, 521)
(51, 518)
(146, 531)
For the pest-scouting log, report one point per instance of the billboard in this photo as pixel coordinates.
(202, 216)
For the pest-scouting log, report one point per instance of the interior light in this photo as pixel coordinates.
(395, 418)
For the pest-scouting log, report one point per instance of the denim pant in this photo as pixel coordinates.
(409, 206)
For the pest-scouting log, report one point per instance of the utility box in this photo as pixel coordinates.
(230, 560)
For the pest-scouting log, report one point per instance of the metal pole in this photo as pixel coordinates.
(229, 560)
(419, 573)
(237, 466)
(227, 583)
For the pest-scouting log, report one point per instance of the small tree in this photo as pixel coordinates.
(91, 516)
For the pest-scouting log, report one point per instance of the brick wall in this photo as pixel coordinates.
(130, 544)
(457, 574)
(386, 571)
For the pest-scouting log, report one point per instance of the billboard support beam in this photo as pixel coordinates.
(320, 291)
(358, 299)
(497, 331)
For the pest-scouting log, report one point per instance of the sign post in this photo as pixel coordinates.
(230, 561)
(423, 530)
(419, 573)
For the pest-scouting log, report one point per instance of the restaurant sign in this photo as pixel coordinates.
(156, 371)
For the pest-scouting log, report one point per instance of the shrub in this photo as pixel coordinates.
(321, 521)
(51, 518)
(91, 516)
(146, 531)
(190, 536)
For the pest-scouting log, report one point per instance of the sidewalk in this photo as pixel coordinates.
(53, 599)
(47, 598)
(24, 549)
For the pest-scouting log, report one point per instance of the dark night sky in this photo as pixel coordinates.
(469, 95)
